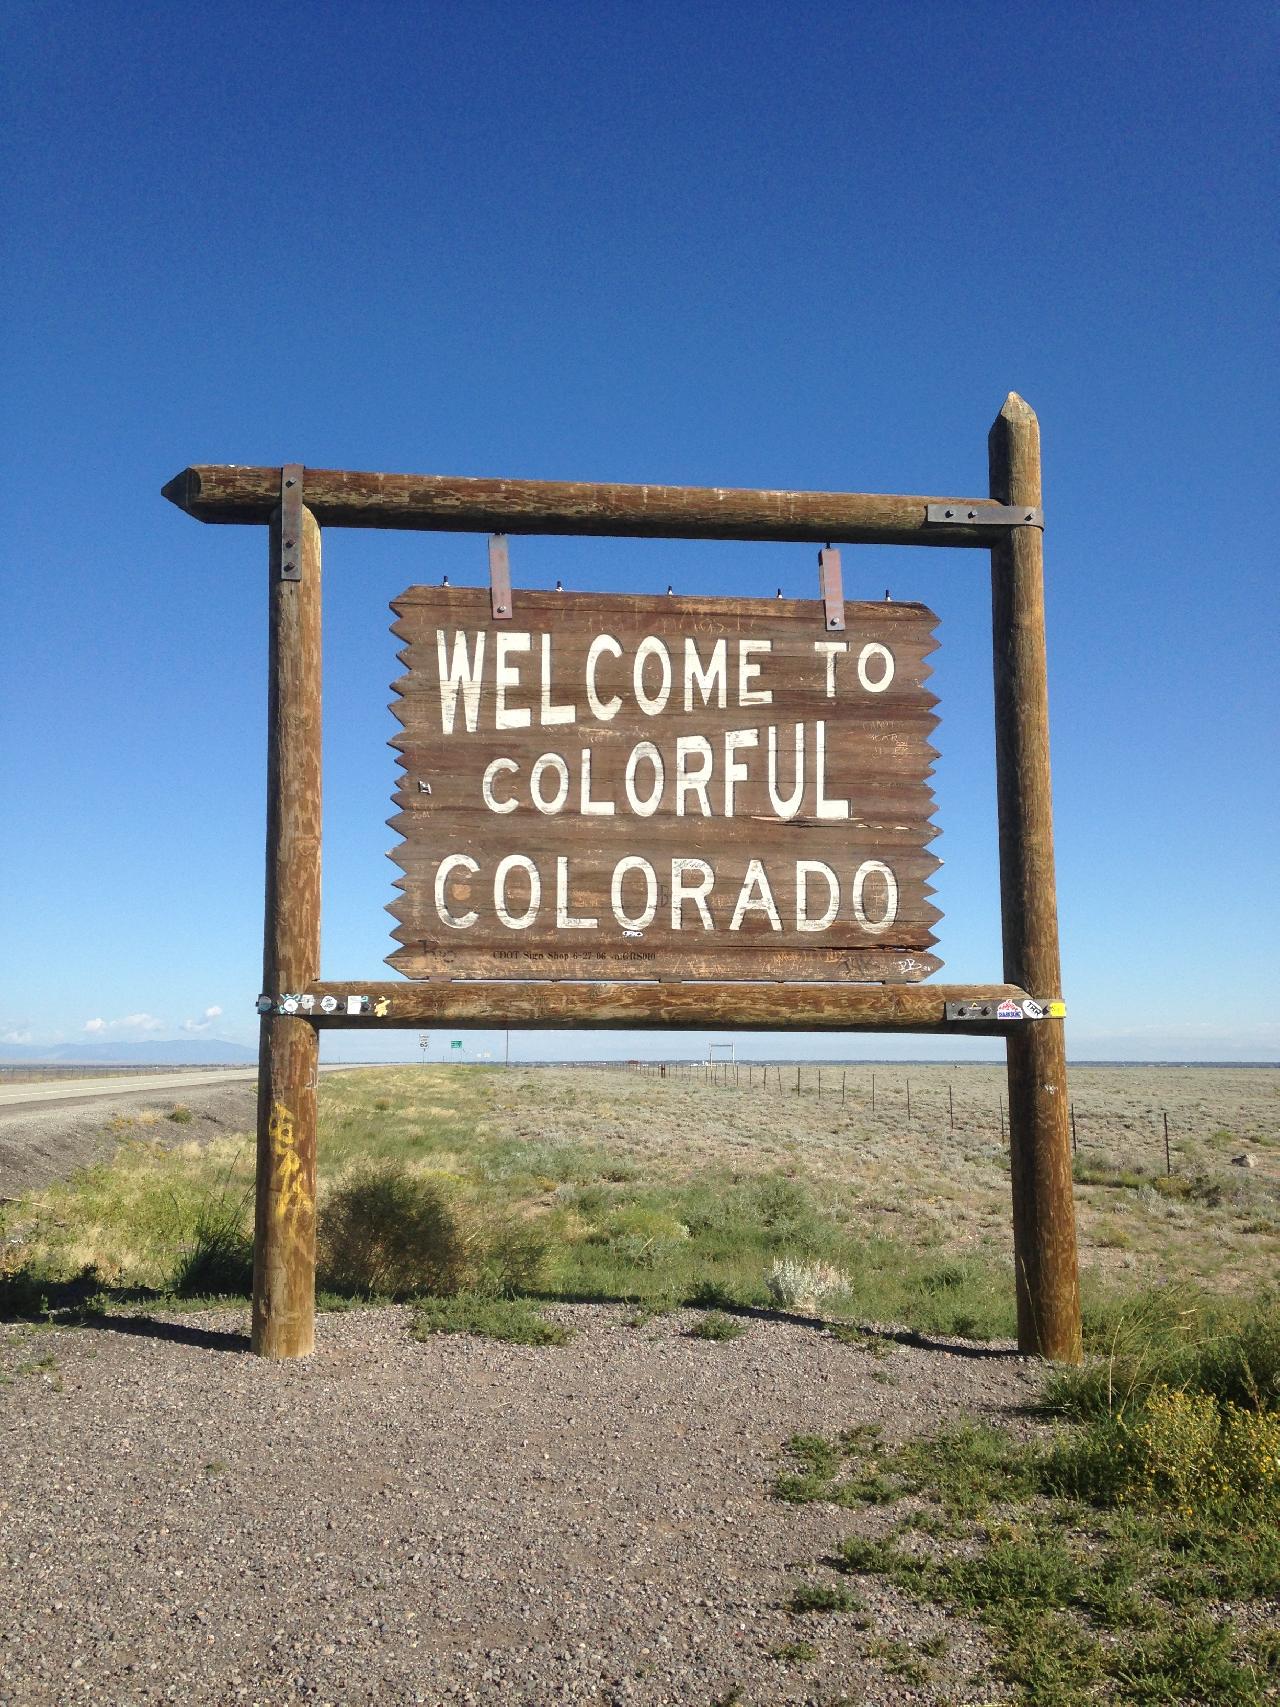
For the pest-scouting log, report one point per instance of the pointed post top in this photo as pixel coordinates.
(1013, 453)
(1017, 409)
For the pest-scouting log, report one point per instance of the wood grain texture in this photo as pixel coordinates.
(444, 503)
(284, 1224)
(571, 1006)
(850, 733)
(1044, 1231)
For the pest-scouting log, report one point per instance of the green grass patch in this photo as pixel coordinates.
(715, 1325)
(515, 1321)
(1106, 1561)
(824, 1597)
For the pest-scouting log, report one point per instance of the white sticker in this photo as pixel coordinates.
(328, 1004)
(289, 1005)
(306, 1003)
(355, 1004)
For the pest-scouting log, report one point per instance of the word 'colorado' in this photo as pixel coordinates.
(690, 893)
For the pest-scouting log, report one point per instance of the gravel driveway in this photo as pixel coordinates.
(454, 1521)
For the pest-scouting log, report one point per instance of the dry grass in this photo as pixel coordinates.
(925, 1184)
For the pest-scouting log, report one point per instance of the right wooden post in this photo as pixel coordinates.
(1044, 1230)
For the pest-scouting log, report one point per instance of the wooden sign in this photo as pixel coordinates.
(617, 787)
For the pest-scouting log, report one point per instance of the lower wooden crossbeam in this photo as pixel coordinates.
(560, 1006)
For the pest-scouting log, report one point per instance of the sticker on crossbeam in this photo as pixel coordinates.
(1006, 1011)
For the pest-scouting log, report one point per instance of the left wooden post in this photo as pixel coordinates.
(284, 1245)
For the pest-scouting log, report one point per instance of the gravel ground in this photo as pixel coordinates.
(454, 1521)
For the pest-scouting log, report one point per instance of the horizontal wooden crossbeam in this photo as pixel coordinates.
(547, 1006)
(443, 503)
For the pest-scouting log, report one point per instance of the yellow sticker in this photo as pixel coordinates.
(1057, 1010)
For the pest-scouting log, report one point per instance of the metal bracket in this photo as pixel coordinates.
(499, 577)
(1027, 1007)
(291, 522)
(832, 589)
(986, 515)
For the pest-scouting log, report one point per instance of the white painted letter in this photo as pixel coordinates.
(460, 673)
(791, 805)
(833, 649)
(604, 709)
(805, 868)
(651, 647)
(445, 870)
(747, 672)
(514, 862)
(552, 713)
(688, 779)
(874, 649)
(682, 890)
(592, 808)
(837, 806)
(755, 896)
(734, 773)
(641, 920)
(645, 750)
(486, 785)
(549, 762)
(508, 676)
(714, 679)
(860, 877)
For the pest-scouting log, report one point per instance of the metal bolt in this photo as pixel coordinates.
(502, 610)
(973, 515)
(289, 482)
(950, 513)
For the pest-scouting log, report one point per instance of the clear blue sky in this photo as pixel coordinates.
(731, 243)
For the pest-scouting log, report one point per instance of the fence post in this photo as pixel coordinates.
(1044, 1230)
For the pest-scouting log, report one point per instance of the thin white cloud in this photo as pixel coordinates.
(16, 1036)
(135, 1024)
(192, 1026)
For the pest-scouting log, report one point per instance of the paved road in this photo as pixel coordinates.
(18, 1098)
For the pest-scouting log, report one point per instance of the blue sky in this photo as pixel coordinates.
(733, 244)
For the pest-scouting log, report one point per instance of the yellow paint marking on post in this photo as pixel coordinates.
(292, 1196)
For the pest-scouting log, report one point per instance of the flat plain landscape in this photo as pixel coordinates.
(644, 1388)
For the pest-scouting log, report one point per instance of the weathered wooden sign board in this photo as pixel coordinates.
(658, 813)
(675, 788)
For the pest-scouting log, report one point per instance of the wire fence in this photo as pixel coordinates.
(881, 1095)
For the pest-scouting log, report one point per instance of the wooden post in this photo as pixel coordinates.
(1168, 1159)
(1044, 1230)
(284, 1247)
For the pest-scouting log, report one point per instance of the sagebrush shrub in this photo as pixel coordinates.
(795, 1284)
(387, 1231)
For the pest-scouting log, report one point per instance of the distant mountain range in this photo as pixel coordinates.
(179, 1052)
